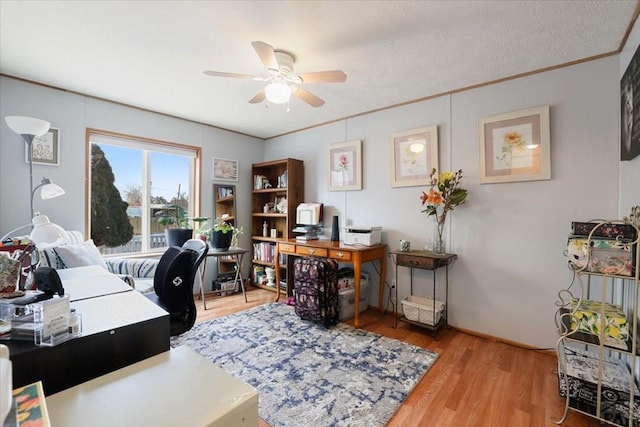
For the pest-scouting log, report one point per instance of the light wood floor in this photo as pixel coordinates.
(474, 382)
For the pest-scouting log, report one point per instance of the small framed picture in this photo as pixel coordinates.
(224, 169)
(515, 146)
(345, 166)
(414, 153)
(45, 149)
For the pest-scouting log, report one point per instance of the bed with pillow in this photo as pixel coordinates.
(138, 272)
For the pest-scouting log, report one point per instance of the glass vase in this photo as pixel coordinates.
(439, 244)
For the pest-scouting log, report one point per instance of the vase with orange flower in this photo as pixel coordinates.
(443, 196)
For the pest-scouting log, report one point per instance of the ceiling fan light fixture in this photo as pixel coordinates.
(277, 92)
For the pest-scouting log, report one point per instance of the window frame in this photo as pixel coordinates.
(195, 180)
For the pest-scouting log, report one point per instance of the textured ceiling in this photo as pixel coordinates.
(151, 54)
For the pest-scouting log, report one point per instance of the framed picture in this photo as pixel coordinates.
(225, 170)
(630, 109)
(515, 146)
(413, 154)
(45, 149)
(345, 166)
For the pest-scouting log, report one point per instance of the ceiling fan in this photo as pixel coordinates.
(282, 80)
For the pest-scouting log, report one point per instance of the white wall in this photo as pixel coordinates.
(72, 114)
(509, 237)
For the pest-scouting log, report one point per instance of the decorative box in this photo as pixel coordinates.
(606, 256)
(587, 319)
(581, 377)
(607, 230)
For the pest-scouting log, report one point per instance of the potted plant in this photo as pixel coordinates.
(203, 231)
(178, 225)
(223, 234)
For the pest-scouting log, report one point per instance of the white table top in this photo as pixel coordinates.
(90, 281)
(115, 311)
(175, 388)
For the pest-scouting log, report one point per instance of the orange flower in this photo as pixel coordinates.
(513, 138)
(434, 197)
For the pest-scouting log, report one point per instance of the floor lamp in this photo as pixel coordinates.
(28, 128)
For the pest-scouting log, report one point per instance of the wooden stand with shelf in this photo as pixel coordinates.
(225, 204)
(277, 191)
(591, 392)
(424, 260)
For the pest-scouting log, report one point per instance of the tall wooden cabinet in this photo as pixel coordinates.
(278, 189)
(225, 204)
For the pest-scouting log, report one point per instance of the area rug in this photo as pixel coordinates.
(308, 375)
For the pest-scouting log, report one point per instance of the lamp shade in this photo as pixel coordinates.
(51, 190)
(45, 233)
(277, 92)
(27, 125)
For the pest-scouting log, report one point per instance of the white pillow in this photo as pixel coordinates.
(81, 255)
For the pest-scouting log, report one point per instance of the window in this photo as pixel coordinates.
(136, 186)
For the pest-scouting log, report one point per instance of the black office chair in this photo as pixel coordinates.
(173, 283)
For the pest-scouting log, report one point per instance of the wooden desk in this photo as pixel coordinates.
(175, 388)
(237, 254)
(355, 255)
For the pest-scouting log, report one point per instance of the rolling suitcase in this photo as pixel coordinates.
(316, 290)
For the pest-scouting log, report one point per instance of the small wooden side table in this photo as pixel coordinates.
(424, 260)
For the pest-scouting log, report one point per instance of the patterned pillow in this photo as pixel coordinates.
(50, 258)
(136, 267)
(67, 256)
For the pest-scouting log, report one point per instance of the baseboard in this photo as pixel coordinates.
(546, 351)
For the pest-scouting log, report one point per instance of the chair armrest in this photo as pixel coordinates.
(136, 267)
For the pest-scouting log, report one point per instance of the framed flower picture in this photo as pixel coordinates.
(225, 170)
(45, 149)
(515, 146)
(345, 166)
(414, 153)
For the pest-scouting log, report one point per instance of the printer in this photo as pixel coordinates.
(367, 236)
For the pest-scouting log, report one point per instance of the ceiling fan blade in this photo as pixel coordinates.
(334, 76)
(258, 98)
(223, 74)
(308, 97)
(267, 54)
